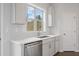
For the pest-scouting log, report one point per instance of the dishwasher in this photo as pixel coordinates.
(33, 49)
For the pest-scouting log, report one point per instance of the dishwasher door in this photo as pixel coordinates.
(33, 49)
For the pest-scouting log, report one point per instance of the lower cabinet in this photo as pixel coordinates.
(56, 45)
(45, 50)
(50, 46)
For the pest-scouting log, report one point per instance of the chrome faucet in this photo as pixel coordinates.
(38, 33)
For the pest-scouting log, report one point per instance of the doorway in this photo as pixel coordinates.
(69, 29)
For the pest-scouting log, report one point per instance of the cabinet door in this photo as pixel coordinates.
(45, 50)
(50, 16)
(51, 21)
(19, 13)
(56, 45)
(51, 46)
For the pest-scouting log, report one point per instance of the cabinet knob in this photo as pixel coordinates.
(64, 33)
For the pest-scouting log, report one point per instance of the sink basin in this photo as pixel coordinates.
(43, 36)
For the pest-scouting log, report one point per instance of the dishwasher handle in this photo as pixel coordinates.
(33, 43)
(27, 46)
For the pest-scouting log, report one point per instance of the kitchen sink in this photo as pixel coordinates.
(43, 36)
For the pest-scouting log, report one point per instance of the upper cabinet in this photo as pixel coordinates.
(51, 21)
(19, 13)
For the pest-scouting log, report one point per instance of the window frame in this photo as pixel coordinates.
(43, 20)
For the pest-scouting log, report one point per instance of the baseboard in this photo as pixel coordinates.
(61, 51)
(76, 51)
(70, 51)
(56, 54)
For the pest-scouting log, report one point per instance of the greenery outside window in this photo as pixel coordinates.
(34, 19)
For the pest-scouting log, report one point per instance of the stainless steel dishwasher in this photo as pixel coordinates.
(33, 49)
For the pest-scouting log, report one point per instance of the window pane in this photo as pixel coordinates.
(30, 26)
(38, 14)
(39, 25)
(34, 19)
(30, 13)
(39, 18)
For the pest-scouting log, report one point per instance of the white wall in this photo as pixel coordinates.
(5, 28)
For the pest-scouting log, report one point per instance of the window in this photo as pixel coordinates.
(34, 19)
(30, 19)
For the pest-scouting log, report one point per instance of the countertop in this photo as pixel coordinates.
(32, 39)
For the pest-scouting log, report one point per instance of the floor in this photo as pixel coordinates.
(67, 53)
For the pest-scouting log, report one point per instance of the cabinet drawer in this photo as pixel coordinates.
(47, 40)
(45, 49)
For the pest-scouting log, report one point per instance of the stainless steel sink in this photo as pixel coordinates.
(42, 36)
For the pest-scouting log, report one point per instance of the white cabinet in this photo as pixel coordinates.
(18, 13)
(17, 49)
(48, 47)
(56, 45)
(45, 50)
(51, 21)
(45, 47)
(51, 46)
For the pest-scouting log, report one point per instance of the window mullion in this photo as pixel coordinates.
(35, 23)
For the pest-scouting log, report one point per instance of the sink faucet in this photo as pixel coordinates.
(38, 33)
